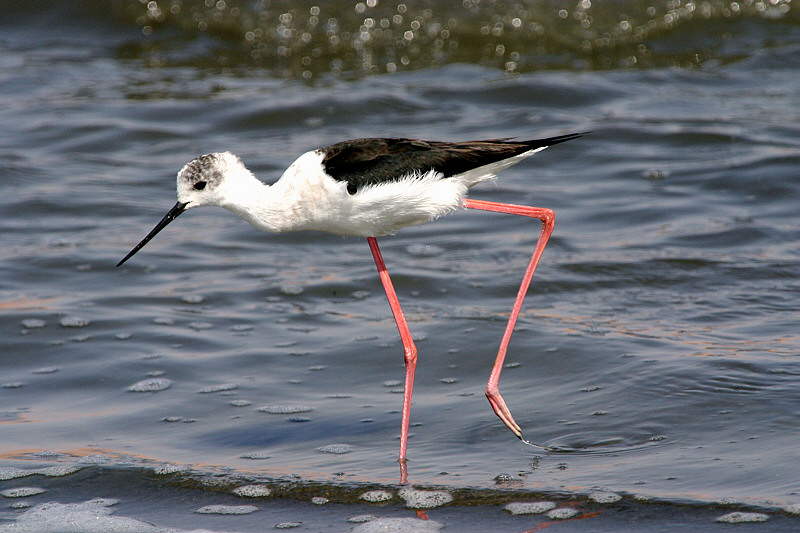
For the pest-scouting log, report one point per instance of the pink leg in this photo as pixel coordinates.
(409, 351)
(548, 220)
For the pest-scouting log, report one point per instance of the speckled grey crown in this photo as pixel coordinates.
(205, 168)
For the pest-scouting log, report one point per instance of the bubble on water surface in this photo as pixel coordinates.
(562, 513)
(603, 496)
(358, 519)
(240, 403)
(74, 322)
(24, 504)
(425, 499)
(46, 370)
(288, 525)
(739, 517)
(284, 409)
(33, 323)
(218, 388)
(22, 492)
(47, 454)
(424, 250)
(193, 299)
(255, 456)
(319, 500)
(12, 385)
(292, 290)
(93, 516)
(57, 470)
(151, 385)
(792, 509)
(375, 496)
(398, 525)
(93, 459)
(253, 491)
(170, 468)
(227, 509)
(335, 448)
(10, 472)
(518, 508)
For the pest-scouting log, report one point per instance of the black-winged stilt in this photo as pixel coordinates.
(370, 188)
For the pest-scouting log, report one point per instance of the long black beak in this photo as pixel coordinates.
(176, 210)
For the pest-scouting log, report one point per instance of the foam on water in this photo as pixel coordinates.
(151, 385)
(7, 472)
(562, 513)
(375, 496)
(93, 516)
(74, 322)
(604, 496)
(22, 492)
(516, 508)
(740, 517)
(218, 388)
(337, 449)
(424, 499)
(398, 525)
(358, 519)
(253, 491)
(284, 409)
(171, 468)
(227, 509)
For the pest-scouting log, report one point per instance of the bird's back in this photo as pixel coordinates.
(364, 162)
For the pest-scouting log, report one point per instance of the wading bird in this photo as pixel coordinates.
(371, 188)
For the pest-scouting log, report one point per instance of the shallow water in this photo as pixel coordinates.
(659, 340)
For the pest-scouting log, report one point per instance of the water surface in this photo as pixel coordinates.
(658, 341)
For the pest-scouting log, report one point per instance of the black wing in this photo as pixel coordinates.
(363, 162)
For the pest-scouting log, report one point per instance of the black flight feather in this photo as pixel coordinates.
(362, 162)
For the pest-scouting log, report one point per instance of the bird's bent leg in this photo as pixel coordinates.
(409, 351)
(548, 220)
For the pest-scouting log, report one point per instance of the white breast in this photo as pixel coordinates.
(318, 202)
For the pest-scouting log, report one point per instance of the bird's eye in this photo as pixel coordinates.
(200, 185)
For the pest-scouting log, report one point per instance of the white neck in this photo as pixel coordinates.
(264, 206)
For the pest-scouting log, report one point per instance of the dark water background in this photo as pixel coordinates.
(660, 338)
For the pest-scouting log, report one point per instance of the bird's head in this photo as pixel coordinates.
(204, 180)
